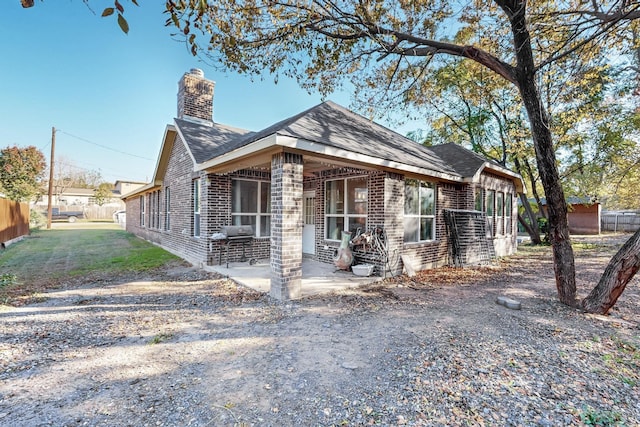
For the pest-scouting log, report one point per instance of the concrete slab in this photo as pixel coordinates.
(317, 277)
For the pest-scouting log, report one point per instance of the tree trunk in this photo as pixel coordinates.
(620, 270)
(532, 229)
(563, 260)
(534, 190)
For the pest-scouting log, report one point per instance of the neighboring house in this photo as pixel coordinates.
(85, 197)
(301, 181)
(122, 188)
(584, 214)
(70, 196)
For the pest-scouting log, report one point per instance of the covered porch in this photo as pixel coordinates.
(317, 277)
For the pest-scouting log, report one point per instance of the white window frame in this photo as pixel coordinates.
(258, 232)
(500, 212)
(196, 199)
(420, 216)
(508, 220)
(479, 198)
(167, 208)
(345, 215)
(142, 210)
(490, 210)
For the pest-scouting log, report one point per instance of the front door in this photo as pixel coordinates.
(309, 230)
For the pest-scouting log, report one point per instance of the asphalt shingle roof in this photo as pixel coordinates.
(209, 140)
(334, 126)
(464, 162)
(330, 124)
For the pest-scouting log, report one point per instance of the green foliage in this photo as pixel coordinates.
(103, 193)
(159, 338)
(20, 172)
(7, 279)
(601, 418)
(36, 220)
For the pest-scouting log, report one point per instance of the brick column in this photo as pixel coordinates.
(394, 218)
(286, 226)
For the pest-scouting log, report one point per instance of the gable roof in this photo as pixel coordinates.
(463, 161)
(326, 130)
(333, 125)
(207, 140)
(470, 165)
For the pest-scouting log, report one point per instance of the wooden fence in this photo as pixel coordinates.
(620, 222)
(14, 220)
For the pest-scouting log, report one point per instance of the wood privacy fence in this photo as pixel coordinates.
(620, 222)
(93, 212)
(14, 220)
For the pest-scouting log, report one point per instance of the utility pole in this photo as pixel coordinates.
(53, 149)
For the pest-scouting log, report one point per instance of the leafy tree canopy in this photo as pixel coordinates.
(20, 172)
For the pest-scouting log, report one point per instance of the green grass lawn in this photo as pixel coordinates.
(48, 256)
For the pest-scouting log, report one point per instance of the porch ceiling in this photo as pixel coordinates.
(313, 164)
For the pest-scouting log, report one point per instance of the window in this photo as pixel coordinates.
(490, 210)
(500, 213)
(251, 205)
(346, 206)
(508, 199)
(478, 200)
(142, 210)
(196, 207)
(167, 209)
(419, 211)
(152, 210)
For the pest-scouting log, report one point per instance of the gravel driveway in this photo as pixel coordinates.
(182, 347)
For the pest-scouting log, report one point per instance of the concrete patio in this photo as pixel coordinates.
(317, 277)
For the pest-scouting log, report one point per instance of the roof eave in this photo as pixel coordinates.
(184, 142)
(140, 191)
(161, 164)
(318, 149)
(501, 171)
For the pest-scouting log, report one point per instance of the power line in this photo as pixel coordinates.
(103, 146)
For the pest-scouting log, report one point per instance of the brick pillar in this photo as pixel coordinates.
(286, 225)
(394, 219)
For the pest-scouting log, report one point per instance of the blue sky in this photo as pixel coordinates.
(63, 66)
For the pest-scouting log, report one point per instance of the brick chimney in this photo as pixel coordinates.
(195, 96)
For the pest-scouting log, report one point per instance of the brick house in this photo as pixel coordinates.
(302, 181)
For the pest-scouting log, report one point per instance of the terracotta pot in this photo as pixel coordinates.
(344, 256)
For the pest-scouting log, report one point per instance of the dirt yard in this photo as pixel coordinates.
(182, 347)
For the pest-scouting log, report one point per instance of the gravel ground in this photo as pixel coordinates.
(182, 347)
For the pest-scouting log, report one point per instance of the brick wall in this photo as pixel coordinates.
(385, 209)
(505, 229)
(219, 209)
(179, 238)
(195, 96)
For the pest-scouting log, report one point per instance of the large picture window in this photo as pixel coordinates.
(196, 207)
(419, 211)
(346, 203)
(251, 205)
